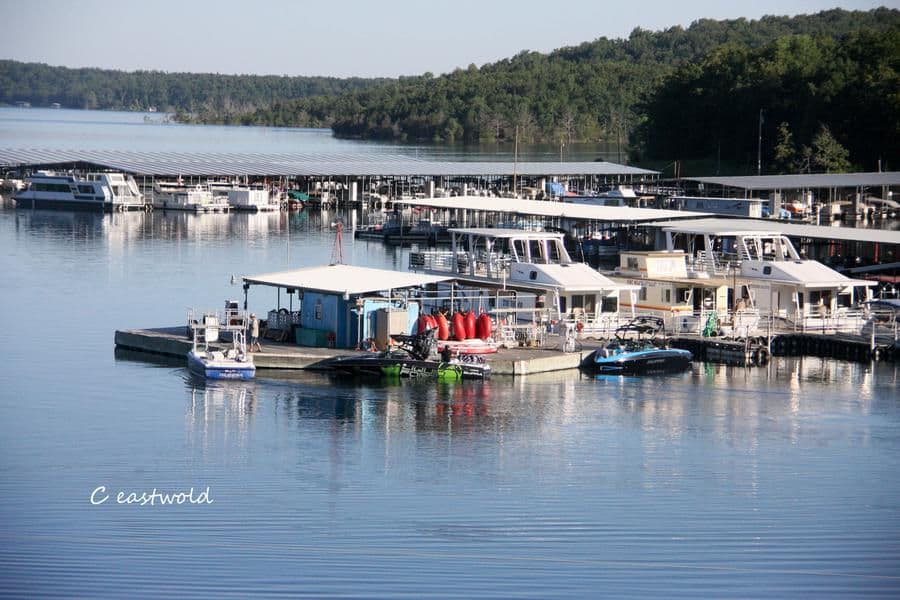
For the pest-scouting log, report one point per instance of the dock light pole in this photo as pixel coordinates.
(759, 144)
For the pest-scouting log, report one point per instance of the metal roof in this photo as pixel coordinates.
(343, 279)
(300, 164)
(543, 208)
(730, 226)
(804, 182)
(501, 233)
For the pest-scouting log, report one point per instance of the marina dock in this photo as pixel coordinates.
(173, 342)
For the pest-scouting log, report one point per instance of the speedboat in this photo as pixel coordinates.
(213, 362)
(623, 356)
(413, 359)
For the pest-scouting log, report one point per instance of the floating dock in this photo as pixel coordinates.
(174, 342)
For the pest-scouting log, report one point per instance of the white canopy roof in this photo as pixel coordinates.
(542, 208)
(720, 226)
(343, 279)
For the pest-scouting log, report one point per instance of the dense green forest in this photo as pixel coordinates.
(822, 90)
(819, 104)
(206, 94)
(601, 90)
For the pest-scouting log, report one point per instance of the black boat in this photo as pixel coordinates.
(412, 359)
(646, 356)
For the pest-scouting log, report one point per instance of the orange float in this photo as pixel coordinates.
(443, 327)
(470, 325)
(483, 326)
(459, 327)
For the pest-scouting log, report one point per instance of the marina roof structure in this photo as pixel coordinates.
(804, 182)
(733, 226)
(343, 279)
(311, 165)
(562, 210)
(501, 233)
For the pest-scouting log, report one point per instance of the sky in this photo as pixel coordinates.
(340, 38)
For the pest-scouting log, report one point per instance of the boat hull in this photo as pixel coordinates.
(220, 369)
(639, 362)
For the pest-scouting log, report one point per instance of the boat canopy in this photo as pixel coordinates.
(343, 279)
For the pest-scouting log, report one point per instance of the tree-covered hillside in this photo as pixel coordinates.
(589, 92)
(41, 85)
(805, 92)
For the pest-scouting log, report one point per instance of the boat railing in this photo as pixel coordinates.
(486, 265)
(595, 324)
(712, 264)
(520, 326)
(842, 320)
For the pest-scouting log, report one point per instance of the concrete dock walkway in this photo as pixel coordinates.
(173, 341)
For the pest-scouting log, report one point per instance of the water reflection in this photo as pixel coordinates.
(738, 406)
(220, 414)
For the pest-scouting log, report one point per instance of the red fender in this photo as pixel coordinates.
(483, 327)
(459, 327)
(470, 325)
(443, 327)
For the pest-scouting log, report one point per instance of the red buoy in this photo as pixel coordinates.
(443, 327)
(459, 327)
(422, 324)
(483, 326)
(470, 325)
(431, 322)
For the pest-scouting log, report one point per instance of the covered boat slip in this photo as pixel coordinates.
(337, 176)
(576, 219)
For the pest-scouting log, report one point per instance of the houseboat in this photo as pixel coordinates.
(251, 199)
(106, 191)
(708, 278)
(195, 198)
(536, 266)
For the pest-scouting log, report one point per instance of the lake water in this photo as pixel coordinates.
(770, 482)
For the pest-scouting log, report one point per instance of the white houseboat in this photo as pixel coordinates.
(743, 278)
(251, 199)
(195, 198)
(108, 191)
(536, 264)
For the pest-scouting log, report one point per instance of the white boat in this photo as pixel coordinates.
(107, 191)
(707, 278)
(534, 262)
(231, 360)
(251, 199)
(11, 184)
(685, 304)
(197, 198)
(622, 195)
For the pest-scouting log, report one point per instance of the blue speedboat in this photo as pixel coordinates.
(637, 357)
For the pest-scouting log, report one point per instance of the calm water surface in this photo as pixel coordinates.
(769, 482)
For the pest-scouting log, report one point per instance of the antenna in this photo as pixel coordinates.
(337, 254)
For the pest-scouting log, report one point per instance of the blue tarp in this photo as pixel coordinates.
(554, 189)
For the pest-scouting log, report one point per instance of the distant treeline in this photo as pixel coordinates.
(187, 93)
(827, 84)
